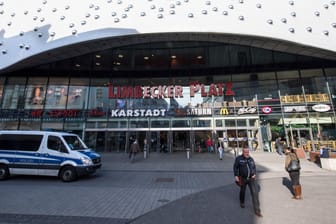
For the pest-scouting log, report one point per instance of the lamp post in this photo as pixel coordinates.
(291, 133)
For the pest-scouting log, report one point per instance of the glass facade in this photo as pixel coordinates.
(176, 95)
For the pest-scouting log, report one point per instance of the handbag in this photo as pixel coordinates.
(240, 182)
(294, 165)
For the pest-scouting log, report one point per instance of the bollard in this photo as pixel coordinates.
(188, 153)
(145, 153)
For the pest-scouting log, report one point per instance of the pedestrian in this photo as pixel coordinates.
(294, 174)
(134, 149)
(209, 144)
(220, 150)
(278, 145)
(244, 170)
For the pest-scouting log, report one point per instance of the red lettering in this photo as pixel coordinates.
(212, 90)
(36, 113)
(96, 113)
(170, 91)
(127, 92)
(193, 89)
(112, 94)
(203, 93)
(178, 91)
(228, 89)
(63, 113)
(138, 92)
(220, 89)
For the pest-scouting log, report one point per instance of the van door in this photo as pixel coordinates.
(53, 155)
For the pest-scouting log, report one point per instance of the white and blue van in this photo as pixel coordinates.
(46, 153)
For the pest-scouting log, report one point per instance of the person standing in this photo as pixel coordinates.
(209, 144)
(244, 170)
(220, 150)
(293, 174)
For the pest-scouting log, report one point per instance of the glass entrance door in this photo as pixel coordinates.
(181, 141)
(159, 141)
(116, 141)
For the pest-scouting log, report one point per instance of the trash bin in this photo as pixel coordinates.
(325, 153)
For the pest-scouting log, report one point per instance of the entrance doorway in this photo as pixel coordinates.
(159, 141)
(116, 141)
(95, 140)
(200, 138)
(181, 141)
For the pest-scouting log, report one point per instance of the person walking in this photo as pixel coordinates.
(294, 173)
(244, 170)
(134, 149)
(278, 145)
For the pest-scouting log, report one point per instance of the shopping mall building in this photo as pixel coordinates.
(173, 72)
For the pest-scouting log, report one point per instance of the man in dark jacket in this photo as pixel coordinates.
(244, 170)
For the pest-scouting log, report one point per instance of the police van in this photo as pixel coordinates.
(46, 153)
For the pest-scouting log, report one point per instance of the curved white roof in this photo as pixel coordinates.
(31, 28)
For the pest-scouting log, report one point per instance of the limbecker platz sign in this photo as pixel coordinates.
(170, 91)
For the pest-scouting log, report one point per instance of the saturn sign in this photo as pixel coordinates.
(321, 107)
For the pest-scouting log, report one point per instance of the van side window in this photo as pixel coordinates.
(55, 143)
(20, 142)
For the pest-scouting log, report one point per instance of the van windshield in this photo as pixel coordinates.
(74, 142)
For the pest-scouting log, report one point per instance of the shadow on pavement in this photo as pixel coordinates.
(218, 205)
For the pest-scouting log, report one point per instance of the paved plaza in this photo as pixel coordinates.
(169, 188)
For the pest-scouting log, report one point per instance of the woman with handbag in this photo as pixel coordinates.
(292, 166)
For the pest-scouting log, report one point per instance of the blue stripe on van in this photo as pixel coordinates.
(7, 155)
(89, 153)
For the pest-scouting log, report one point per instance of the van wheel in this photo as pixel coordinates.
(68, 174)
(4, 172)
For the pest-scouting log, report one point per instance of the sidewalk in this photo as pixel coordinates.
(220, 204)
(168, 188)
(268, 163)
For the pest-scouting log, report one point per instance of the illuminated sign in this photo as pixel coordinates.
(224, 111)
(266, 109)
(96, 113)
(171, 91)
(321, 107)
(199, 111)
(289, 109)
(218, 89)
(247, 110)
(138, 113)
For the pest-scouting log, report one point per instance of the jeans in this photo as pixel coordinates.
(254, 194)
